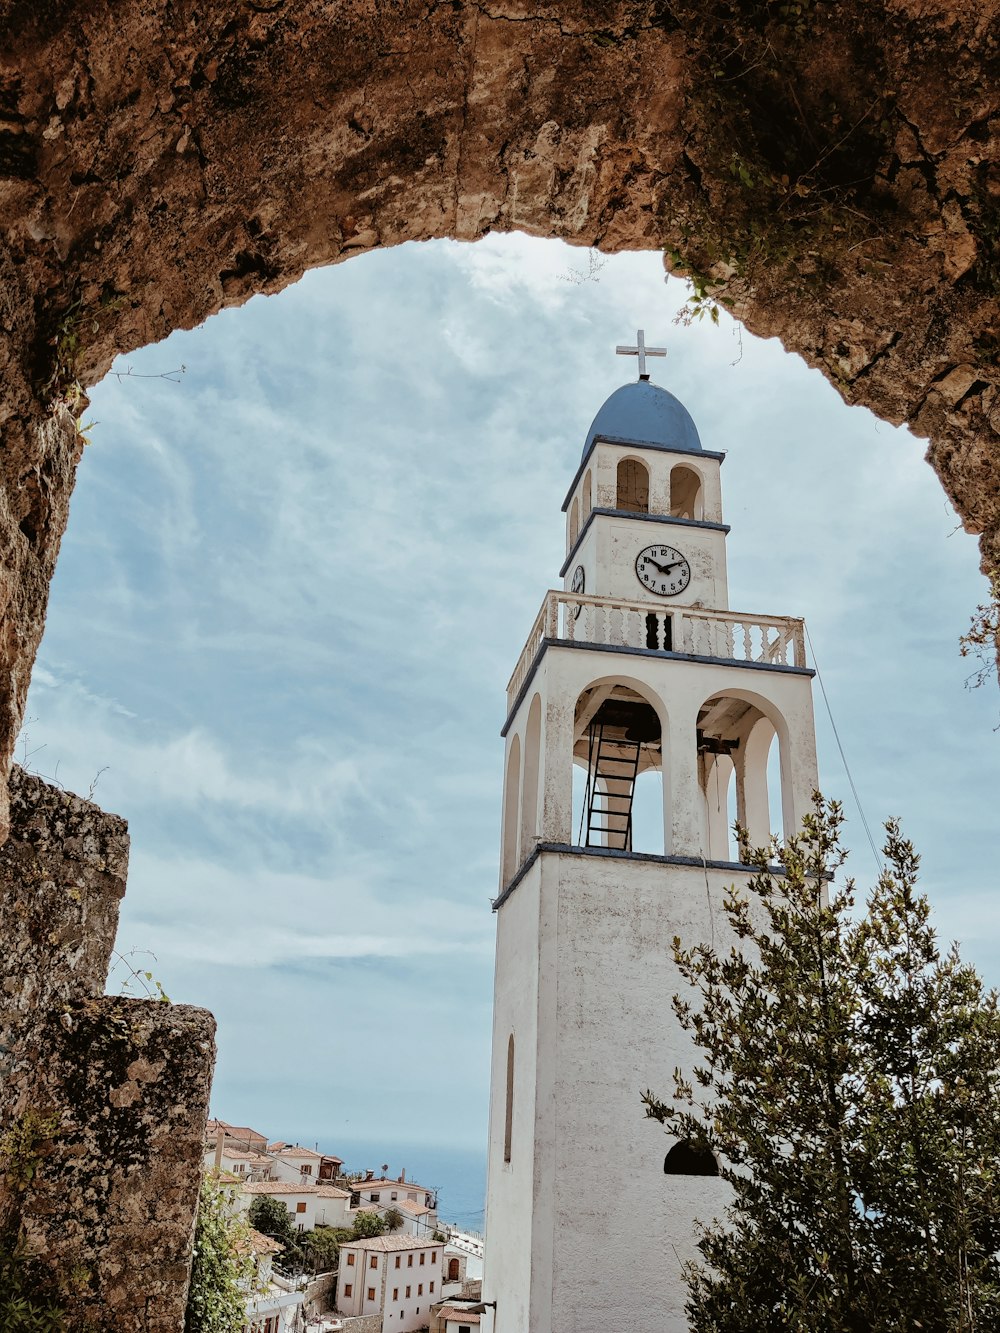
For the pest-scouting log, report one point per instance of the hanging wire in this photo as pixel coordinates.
(843, 756)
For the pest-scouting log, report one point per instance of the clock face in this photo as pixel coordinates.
(663, 570)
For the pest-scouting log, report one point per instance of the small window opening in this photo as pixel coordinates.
(690, 1159)
(633, 487)
(660, 631)
(509, 1113)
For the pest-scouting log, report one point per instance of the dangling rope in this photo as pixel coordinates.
(843, 756)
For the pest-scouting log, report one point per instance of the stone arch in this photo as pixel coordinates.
(529, 784)
(608, 703)
(632, 486)
(739, 725)
(509, 859)
(687, 491)
(574, 522)
(136, 234)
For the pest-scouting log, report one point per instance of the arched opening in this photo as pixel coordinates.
(738, 762)
(686, 493)
(454, 1269)
(574, 522)
(633, 486)
(529, 787)
(511, 788)
(508, 1123)
(588, 502)
(690, 1159)
(618, 799)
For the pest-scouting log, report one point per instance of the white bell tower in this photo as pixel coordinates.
(638, 673)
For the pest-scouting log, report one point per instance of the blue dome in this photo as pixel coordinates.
(643, 413)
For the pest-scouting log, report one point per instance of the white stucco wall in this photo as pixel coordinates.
(596, 1238)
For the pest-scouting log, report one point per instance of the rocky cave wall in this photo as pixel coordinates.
(103, 1099)
(828, 170)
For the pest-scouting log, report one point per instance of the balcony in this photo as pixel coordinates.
(567, 617)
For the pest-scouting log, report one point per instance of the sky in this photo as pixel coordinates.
(294, 586)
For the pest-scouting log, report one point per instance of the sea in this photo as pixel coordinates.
(458, 1175)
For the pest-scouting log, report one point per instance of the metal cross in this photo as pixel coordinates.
(641, 351)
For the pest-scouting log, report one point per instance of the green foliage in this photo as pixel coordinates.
(982, 639)
(368, 1224)
(322, 1246)
(393, 1219)
(849, 1087)
(29, 1299)
(222, 1272)
(20, 1147)
(269, 1216)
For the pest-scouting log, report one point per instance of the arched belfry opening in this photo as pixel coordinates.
(690, 1159)
(618, 744)
(687, 494)
(633, 487)
(735, 740)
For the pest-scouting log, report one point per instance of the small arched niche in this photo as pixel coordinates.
(529, 786)
(574, 522)
(686, 493)
(618, 748)
(633, 486)
(690, 1159)
(588, 491)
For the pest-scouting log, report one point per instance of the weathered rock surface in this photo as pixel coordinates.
(103, 1100)
(832, 165)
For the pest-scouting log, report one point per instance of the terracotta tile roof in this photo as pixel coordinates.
(277, 1187)
(410, 1206)
(461, 1313)
(234, 1131)
(241, 1155)
(264, 1244)
(292, 1150)
(389, 1244)
(332, 1192)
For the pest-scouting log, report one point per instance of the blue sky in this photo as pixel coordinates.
(294, 586)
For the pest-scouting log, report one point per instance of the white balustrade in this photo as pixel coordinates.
(569, 617)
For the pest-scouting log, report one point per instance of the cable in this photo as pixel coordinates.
(847, 770)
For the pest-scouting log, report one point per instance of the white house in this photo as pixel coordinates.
(386, 1192)
(455, 1316)
(289, 1161)
(418, 1219)
(333, 1207)
(273, 1305)
(300, 1200)
(397, 1277)
(246, 1164)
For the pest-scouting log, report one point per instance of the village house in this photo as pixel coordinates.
(289, 1161)
(455, 1316)
(300, 1200)
(238, 1162)
(397, 1277)
(386, 1192)
(272, 1307)
(235, 1136)
(333, 1207)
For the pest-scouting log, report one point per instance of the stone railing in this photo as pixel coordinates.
(573, 618)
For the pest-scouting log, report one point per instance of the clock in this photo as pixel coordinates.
(577, 586)
(663, 570)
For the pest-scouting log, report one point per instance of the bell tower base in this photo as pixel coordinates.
(585, 1230)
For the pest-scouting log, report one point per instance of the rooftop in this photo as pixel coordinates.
(411, 1206)
(645, 414)
(389, 1244)
(277, 1187)
(384, 1184)
(293, 1150)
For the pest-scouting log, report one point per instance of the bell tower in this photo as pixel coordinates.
(637, 673)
